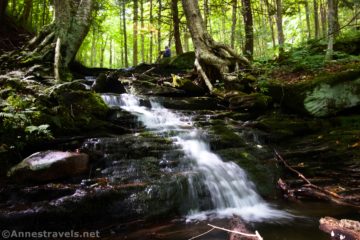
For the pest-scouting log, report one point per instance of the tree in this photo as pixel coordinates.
(331, 29)
(249, 31)
(3, 5)
(279, 25)
(70, 26)
(316, 19)
(24, 18)
(123, 8)
(234, 20)
(135, 33)
(214, 61)
(176, 22)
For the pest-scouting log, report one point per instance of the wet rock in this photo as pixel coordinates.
(193, 103)
(50, 165)
(187, 85)
(149, 88)
(254, 102)
(108, 83)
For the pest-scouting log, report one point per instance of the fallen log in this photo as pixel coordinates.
(343, 229)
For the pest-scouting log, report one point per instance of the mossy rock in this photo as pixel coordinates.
(322, 96)
(222, 135)
(187, 85)
(254, 102)
(183, 61)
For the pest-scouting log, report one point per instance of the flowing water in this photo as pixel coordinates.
(230, 189)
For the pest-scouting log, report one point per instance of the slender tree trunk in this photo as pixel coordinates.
(281, 38)
(142, 28)
(336, 18)
(125, 34)
(24, 18)
(112, 55)
(271, 22)
(102, 51)
(93, 48)
(249, 30)
(331, 28)
(214, 61)
(176, 22)
(307, 12)
(323, 18)
(3, 6)
(159, 25)
(135, 33)
(223, 27)
(151, 32)
(234, 20)
(316, 19)
(44, 9)
(206, 13)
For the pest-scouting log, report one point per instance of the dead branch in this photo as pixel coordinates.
(149, 70)
(202, 234)
(256, 235)
(311, 190)
(203, 75)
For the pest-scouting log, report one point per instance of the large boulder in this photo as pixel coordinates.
(50, 165)
(323, 96)
(183, 61)
(253, 102)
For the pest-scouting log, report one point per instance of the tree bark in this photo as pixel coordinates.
(249, 30)
(323, 18)
(214, 61)
(281, 38)
(3, 6)
(271, 22)
(125, 34)
(176, 22)
(72, 22)
(307, 11)
(135, 33)
(331, 29)
(316, 19)
(26, 12)
(142, 28)
(206, 14)
(234, 20)
(159, 25)
(151, 32)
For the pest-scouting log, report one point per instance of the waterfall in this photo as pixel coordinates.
(230, 189)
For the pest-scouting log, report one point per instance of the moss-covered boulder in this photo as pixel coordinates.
(253, 102)
(322, 96)
(187, 85)
(108, 83)
(183, 61)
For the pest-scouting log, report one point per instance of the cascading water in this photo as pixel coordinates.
(230, 190)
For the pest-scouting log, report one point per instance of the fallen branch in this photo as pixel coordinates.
(202, 234)
(311, 190)
(256, 235)
(203, 75)
(149, 70)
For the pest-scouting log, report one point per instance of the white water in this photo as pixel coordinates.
(230, 189)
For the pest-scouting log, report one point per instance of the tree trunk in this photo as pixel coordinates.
(281, 38)
(316, 19)
(125, 34)
(93, 48)
(111, 53)
(307, 11)
(72, 22)
(206, 13)
(142, 28)
(102, 51)
(234, 20)
(176, 22)
(135, 34)
(331, 28)
(271, 22)
(24, 18)
(214, 61)
(336, 18)
(3, 5)
(151, 32)
(159, 26)
(249, 30)
(323, 18)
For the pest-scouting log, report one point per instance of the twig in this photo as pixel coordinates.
(279, 157)
(147, 71)
(202, 234)
(257, 235)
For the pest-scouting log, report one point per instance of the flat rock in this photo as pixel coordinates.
(49, 165)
